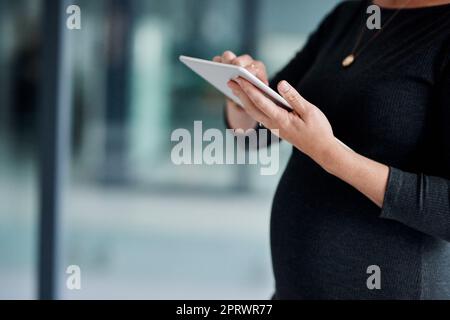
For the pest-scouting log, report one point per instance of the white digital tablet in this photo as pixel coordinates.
(218, 74)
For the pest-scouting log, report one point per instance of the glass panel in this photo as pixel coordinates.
(136, 224)
(19, 78)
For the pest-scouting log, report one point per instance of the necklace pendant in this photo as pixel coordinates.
(348, 61)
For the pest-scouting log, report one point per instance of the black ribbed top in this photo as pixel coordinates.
(392, 105)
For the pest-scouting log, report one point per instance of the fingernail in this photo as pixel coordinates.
(284, 86)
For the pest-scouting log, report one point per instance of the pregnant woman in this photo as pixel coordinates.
(385, 203)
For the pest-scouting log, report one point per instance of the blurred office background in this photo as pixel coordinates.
(137, 225)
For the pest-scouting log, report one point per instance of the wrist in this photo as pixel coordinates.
(333, 156)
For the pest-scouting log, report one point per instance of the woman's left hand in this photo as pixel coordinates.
(306, 127)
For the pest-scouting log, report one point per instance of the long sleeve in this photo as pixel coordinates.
(419, 201)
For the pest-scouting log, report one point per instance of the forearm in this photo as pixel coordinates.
(367, 176)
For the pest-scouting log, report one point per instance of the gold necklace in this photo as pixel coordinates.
(350, 59)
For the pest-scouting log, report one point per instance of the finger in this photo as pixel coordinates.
(243, 61)
(256, 68)
(228, 56)
(263, 103)
(233, 85)
(248, 105)
(261, 71)
(253, 69)
(295, 100)
(260, 65)
(217, 59)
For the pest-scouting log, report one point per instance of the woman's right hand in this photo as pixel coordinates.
(237, 117)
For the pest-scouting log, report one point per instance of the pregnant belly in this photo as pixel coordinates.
(325, 235)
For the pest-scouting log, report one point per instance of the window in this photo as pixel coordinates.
(137, 225)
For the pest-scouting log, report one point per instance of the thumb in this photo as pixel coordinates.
(295, 100)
